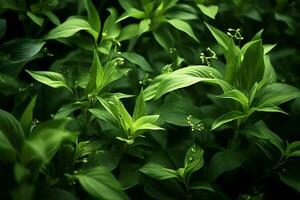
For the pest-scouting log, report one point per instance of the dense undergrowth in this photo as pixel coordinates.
(149, 99)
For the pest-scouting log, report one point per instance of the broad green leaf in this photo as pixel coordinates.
(101, 184)
(52, 17)
(52, 79)
(210, 11)
(269, 74)
(223, 39)
(227, 117)
(225, 161)
(233, 57)
(276, 94)
(252, 67)
(96, 80)
(164, 37)
(183, 26)
(16, 53)
(70, 27)
(132, 12)
(143, 127)
(138, 60)
(236, 95)
(194, 157)
(140, 107)
(181, 11)
(43, 145)
(66, 110)
(182, 78)
(110, 27)
(146, 119)
(261, 131)
(193, 161)
(129, 32)
(12, 129)
(144, 26)
(93, 16)
(27, 116)
(119, 113)
(36, 19)
(270, 108)
(159, 172)
(8, 152)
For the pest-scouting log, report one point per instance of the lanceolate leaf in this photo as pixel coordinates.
(228, 117)
(101, 184)
(223, 39)
(276, 94)
(159, 172)
(183, 78)
(236, 95)
(252, 67)
(183, 26)
(12, 129)
(210, 11)
(93, 16)
(138, 60)
(70, 27)
(52, 79)
(27, 117)
(225, 161)
(140, 107)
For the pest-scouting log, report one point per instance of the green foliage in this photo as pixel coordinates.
(144, 99)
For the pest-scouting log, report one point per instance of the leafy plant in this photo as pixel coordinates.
(145, 100)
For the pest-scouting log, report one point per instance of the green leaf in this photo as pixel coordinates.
(52, 79)
(12, 129)
(237, 96)
(183, 26)
(16, 53)
(43, 145)
(193, 161)
(132, 12)
(138, 60)
(182, 78)
(261, 131)
(223, 39)
(225, 161)
(96, 80)
(276, 94)
(252, 67)
(36, 19)
(129, 32)
(164, 37)
(140, 107)
(202, 186)
(27, 116)
(194, 157)
(8, 152)
(233, 57)
(70, 27)
(210, 11)
(159, 172)
(227, 117)
(101, 184)
(93, 16)
(110, 27)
